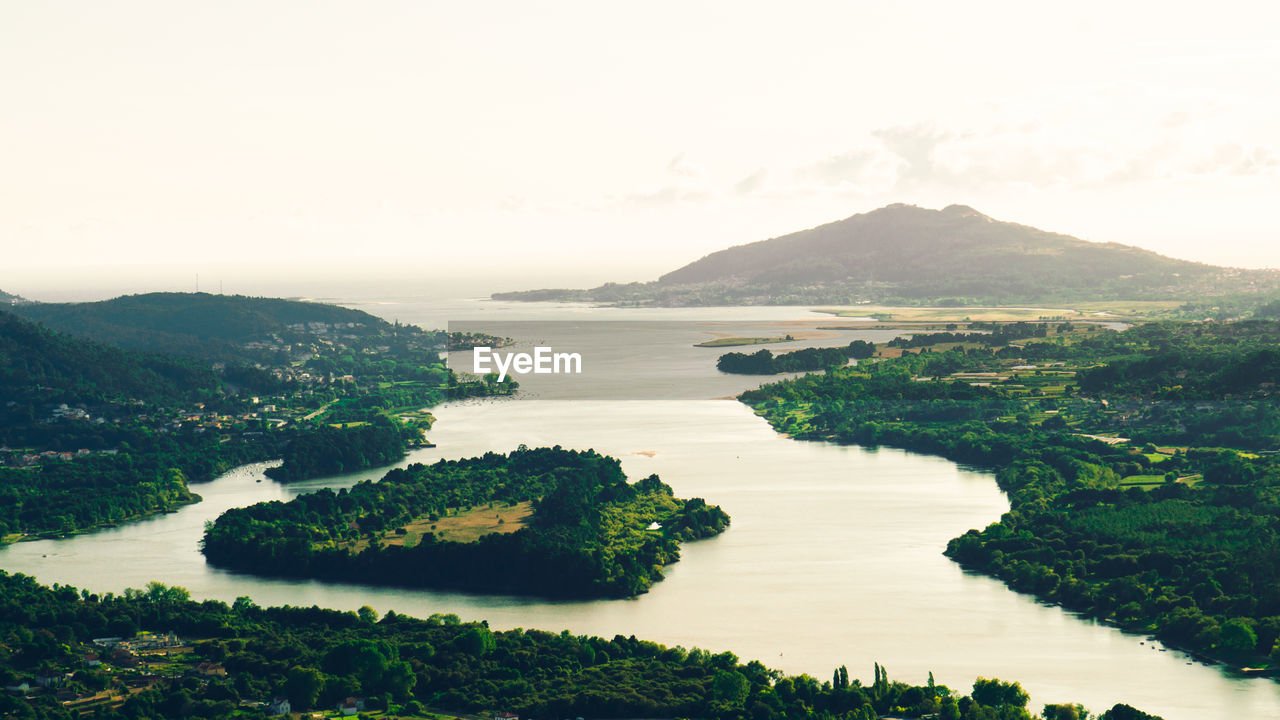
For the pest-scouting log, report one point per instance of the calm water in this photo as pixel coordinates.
(833, 557)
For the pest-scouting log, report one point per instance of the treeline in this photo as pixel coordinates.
(201, 325)
(39, 366)
(141, 425)
(325, 450)
(587, 537)
(1193, 558)
(401, 665)
(96, 490)
(991, 334)
(764, 362)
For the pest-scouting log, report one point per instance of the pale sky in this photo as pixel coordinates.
(574, 143)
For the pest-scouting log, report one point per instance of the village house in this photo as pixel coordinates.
(351, 706)
(279, 706)
(211, 669)
(52, 680)
(21, 688)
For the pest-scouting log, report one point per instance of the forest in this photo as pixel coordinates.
(233, 658)
(589, 534)
(764, 362)
(1163, 530)
(93, 434)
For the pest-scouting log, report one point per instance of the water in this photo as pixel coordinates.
(833, 557)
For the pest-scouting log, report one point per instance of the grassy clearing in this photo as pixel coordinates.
(464, 527)
(1151, 482)
(1096, 311)
(1129, 308)
(469, 525)
(884, 313)
(1143, 480)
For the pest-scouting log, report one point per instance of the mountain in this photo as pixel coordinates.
(211, 327)
(42, 366)
(907, 254)
(9, 299)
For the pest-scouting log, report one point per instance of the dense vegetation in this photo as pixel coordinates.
(1172, 529)
(315, 658)
(332, 450)
(990, 334)
(902, 254)
(764, 362)
(94, 434)
(98, 473)
(38, 366)
(588, 534)
(195, 324)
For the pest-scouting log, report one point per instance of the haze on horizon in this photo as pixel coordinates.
(576, 143)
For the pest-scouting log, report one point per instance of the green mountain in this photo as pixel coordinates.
(903, 253)
(43, 366)
(213, 327)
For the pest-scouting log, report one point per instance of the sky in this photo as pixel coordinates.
(572, 143)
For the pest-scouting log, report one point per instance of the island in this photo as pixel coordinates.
(740, 341)
(543, 521)
(763, 362)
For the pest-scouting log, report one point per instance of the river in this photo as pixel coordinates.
(833, 556)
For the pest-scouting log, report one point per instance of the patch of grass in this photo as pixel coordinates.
(1143, 480)
(885, 313)
(464, 527)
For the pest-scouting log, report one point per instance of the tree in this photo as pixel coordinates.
(303, 686)
(1125, 712)
(399, 679)
(476, 641)
(730, 687)
(993, 693)
(1064, 711)
(1237, 636)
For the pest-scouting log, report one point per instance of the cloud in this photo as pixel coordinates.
(916, 147)
(1235, 159)
(663, 196)
(846, 167)
(752, 183)
(681, 166)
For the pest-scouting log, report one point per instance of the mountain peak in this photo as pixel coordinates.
(962, 211)
(903, 253)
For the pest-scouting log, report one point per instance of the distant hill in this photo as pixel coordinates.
(38, 365)
(9, 299)
(904, 253)
(211, 327)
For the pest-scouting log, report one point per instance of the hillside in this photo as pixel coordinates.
(42, 366)
(214, 327)
(907, 254)
(8, 299)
